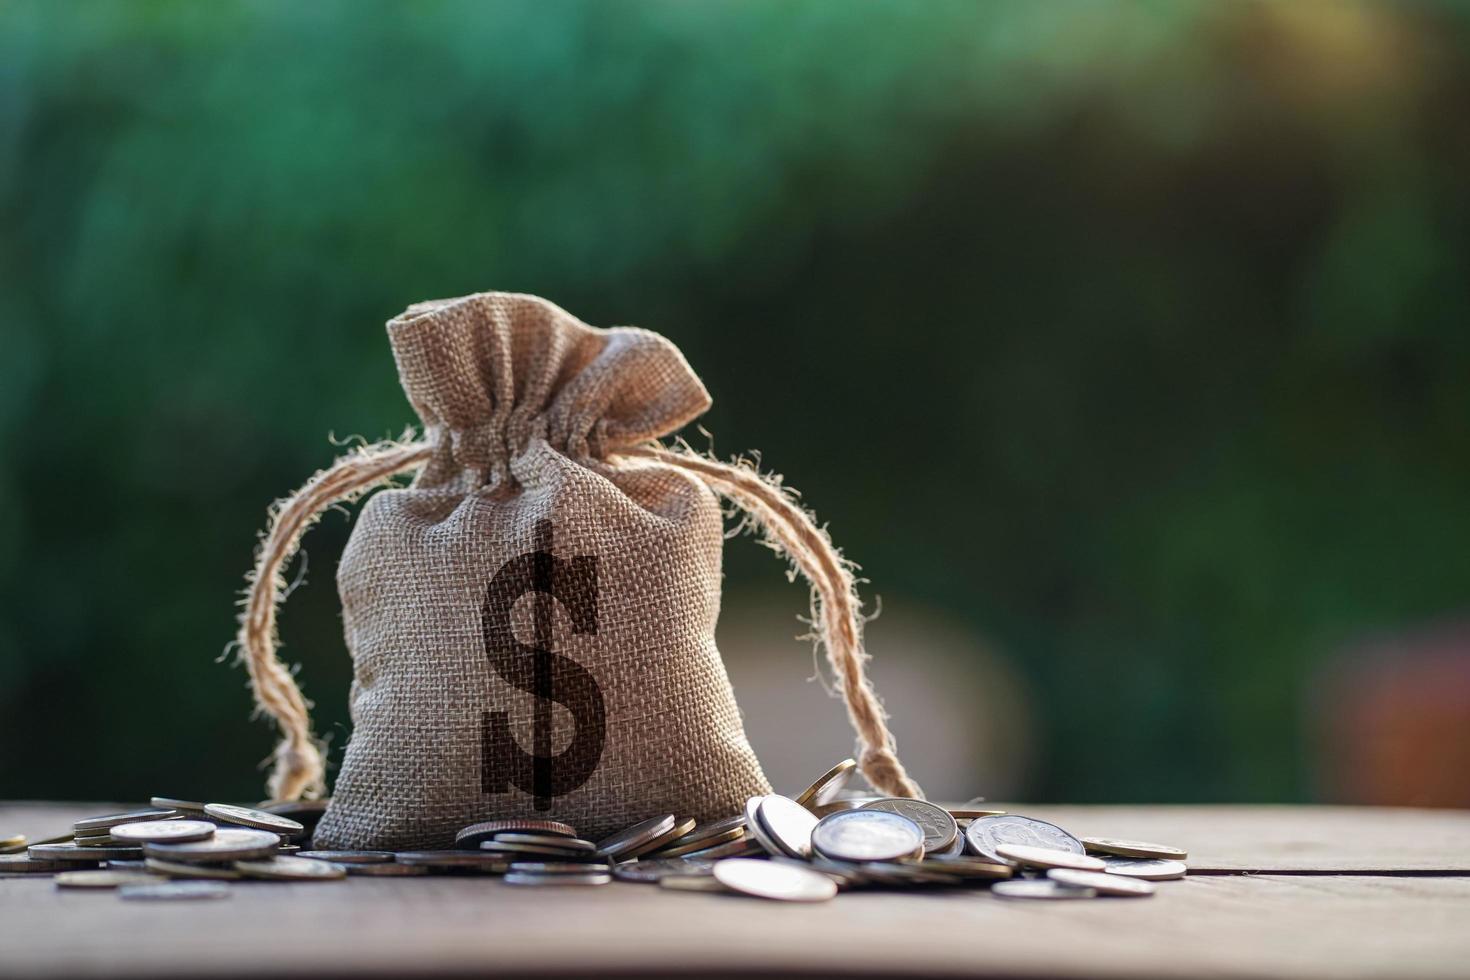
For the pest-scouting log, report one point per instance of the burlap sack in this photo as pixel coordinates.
(532, 621)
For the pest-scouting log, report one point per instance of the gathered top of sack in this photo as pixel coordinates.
(489, 373)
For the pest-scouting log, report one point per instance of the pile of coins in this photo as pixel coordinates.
(801, 849)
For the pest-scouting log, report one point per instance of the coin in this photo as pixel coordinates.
(1103, 884)
(548, 840)
(227, 844)
(349, 857)
(481, 861)
(13, 845)
(660, 868)
(591, 878)
(788, 823)
(1048, 857)
(828, 785)
(102, 879)
(555, 867)
(692, 883)
(183, 806)
(940, 830)
(767, 879)
(510, 849)
(663, 840)
(245, 816)
(291, 869)
(902, 874)
(386, 870)
(756, 829)
(111, 820)
(676, 849)
(967, 867)
(641, 834)
(25, 864)
(867, 835)
(734, 848)
(174, 891)
(969, 813)
(713, 833)
(163, 831)
(955, 849)
(72, 852)
(178, 869)
(987, 833)
(1132, 849)
(1145, 868)
(1038, 888)
(836, 806)
(476, 834)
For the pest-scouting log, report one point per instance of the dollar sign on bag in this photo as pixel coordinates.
(546, 675)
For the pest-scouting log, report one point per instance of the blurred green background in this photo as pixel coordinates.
(1132, 338)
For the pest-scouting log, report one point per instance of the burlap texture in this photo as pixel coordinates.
(524, 405)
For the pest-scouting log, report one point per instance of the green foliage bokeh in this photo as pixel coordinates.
(1134, 335)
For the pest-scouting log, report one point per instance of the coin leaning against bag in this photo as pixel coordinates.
(828, 785)
(788, 823)
(639, 835)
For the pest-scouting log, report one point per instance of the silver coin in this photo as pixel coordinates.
(477, 833)
(244, 816)
(163, 831)
(940, 829)
(291, 869)
(510, 851)
(828, 785)
(692, 883)
(174, 891)
(639, 835)
(25, 864)
(106, 878)
(679, 829)
(1048, 857)
(1102, 883)
(482, 861)
(717, 831)
(966, 867)
(181, 806)
(676, 849)
(179, 869)
(756, 829)
(660, 868)
(985, 834)
(227, 844)
(548, 840)
(385, 870)
(1038, 888)
(349, 857)
(590, 878)
(108, 821)
(73, 852)
(1147, 869)
(736, 848)
(768, 879)
(555, 868)
(788, 823)
(1133, 849)
(867, 835)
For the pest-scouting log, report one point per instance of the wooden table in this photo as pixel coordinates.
(1275, 891)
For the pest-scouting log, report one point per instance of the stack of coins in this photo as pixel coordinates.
(805, 848)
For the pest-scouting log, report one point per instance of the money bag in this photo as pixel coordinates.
(531, 619)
